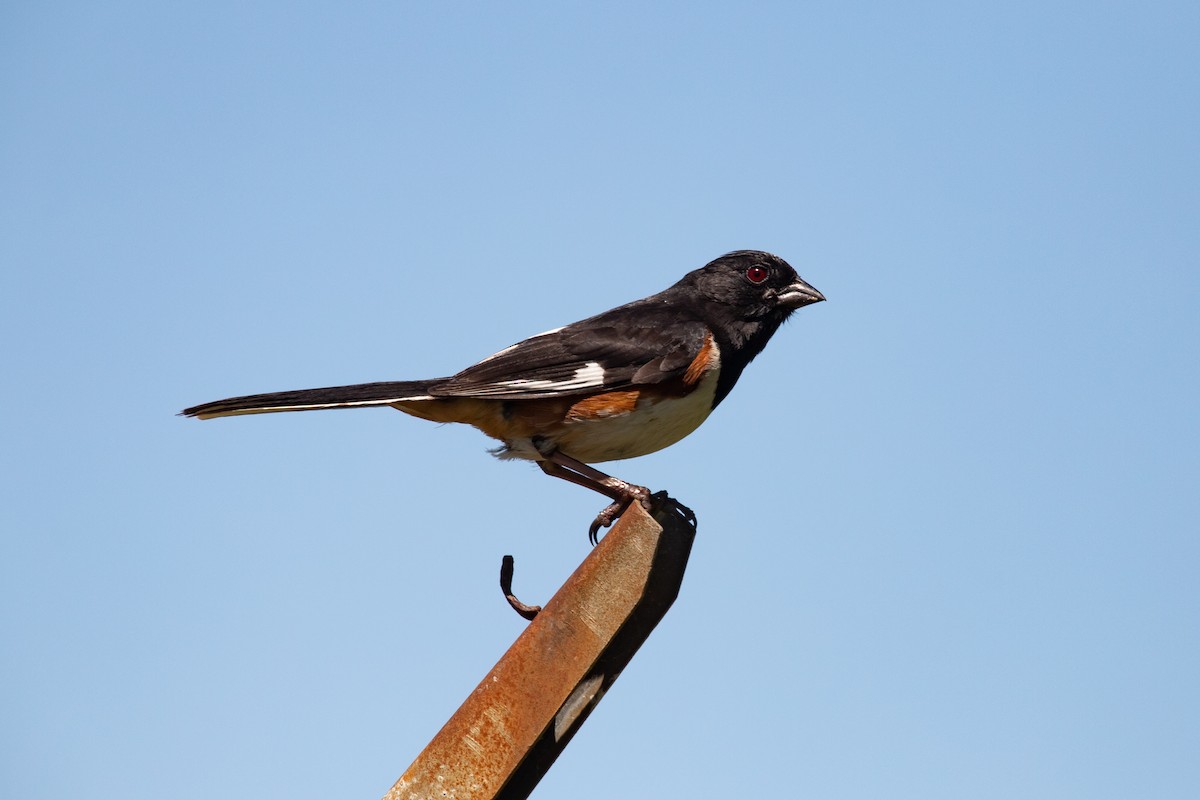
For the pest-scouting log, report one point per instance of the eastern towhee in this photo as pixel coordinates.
(621, 384)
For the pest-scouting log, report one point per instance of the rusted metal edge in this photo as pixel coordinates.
(511, 728)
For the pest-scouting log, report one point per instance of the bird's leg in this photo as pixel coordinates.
(569, 469)
(613, 487)
(609, 514)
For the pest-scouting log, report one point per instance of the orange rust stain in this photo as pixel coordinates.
(608, 404)
(700, 363)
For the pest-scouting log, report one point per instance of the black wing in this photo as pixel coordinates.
(628, 346)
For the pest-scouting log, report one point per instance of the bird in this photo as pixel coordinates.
(624, 383)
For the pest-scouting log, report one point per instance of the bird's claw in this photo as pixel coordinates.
(615, 509)
(664, 500)
(607, 517)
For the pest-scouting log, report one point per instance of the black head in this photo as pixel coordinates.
(751, 286)
(745, 296)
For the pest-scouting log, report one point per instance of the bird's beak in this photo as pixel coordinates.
(798, 294)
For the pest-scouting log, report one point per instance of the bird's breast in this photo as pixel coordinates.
(654, 422)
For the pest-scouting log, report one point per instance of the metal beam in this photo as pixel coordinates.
(509, 731)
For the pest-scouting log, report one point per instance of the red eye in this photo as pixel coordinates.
(757, 274)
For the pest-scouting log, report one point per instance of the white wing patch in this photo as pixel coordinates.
(589, 376)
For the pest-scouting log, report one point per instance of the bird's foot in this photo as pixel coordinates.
(616, 508)
(662, 500)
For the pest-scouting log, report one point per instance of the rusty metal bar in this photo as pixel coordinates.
(509, 731)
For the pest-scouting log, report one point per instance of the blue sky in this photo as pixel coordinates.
(947, 541)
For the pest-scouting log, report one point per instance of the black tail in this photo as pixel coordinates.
(360, 394)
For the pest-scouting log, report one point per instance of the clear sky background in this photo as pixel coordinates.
(948, 520)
